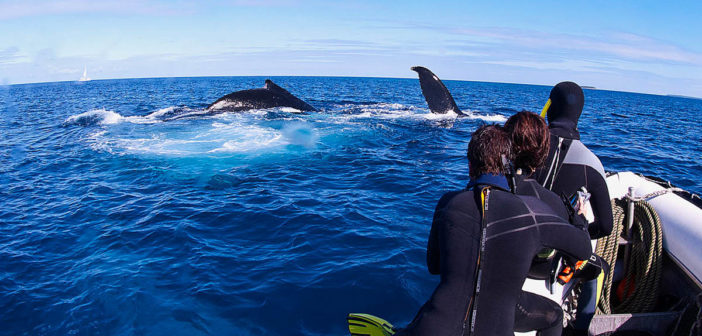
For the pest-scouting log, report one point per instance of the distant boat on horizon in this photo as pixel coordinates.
(85, 77)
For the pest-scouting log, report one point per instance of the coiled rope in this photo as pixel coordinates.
(644, 266)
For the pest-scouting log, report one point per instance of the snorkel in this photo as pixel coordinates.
(545, 109)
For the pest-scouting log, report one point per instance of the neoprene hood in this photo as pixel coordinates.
(567, 102)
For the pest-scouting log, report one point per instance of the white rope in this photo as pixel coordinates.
(653, 194)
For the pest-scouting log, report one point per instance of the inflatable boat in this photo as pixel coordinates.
(656, 250)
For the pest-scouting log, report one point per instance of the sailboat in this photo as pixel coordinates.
(85, 77)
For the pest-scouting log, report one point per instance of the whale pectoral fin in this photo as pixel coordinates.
(435, 92)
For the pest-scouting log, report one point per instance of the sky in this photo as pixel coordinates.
(628, 45)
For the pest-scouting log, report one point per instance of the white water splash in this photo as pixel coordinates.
(107, 117)
(397, 111)
(300, 134)
(253, 132)
(290, 110)
(100, 116)
(379, 110)
(488, 117)
(215, 138)
(226, 104)
(450, 115)
(160, 113)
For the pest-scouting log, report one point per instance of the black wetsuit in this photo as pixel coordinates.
(570, 166)
(528, 186)
(535, 312)
(481, 283)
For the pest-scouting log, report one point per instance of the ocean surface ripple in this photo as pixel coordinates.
(269, 222)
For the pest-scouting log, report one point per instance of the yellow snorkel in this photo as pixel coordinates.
(545, 109)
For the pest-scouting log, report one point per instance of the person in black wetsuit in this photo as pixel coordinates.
(530, 143)
(481, 242)
(569, 166)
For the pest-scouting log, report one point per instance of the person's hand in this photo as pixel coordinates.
(582, 209)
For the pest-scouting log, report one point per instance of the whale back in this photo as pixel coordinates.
(247, 100)
(435, 92)
(271, 95)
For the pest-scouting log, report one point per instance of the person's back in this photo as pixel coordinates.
(570, 164)
(515, 230)
(482, 242)
(530, 146)
(530, 143)
(569, 167)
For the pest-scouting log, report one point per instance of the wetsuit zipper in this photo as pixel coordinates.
(473, 303)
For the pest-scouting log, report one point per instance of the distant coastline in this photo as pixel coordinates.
(681, 96)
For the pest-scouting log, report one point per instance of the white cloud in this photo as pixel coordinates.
(10, 55)
(620, 45)
(14, 9)
(263, 3)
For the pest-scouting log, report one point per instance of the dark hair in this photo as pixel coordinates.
(487, 145)
(530, 140)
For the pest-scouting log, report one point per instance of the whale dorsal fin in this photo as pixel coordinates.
(435, 92)
(275, 88)
(294, 101)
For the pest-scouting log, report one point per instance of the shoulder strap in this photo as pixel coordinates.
(556, 161)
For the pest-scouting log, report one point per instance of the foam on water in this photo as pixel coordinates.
(226, 104)
(108, 117)
(221, 134)
(488, 117)
(99, 116)
(202, 140)
(448, 116)
(237, 132)
(290, 110)
(378, 111)
(400, 111)
(160, 113)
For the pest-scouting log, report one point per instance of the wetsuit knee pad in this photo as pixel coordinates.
(535, 312)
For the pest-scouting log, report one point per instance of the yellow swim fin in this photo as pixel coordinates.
(369, 325)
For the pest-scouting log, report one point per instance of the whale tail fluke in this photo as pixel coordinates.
(435, 92)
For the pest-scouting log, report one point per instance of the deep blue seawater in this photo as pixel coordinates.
(270, 222)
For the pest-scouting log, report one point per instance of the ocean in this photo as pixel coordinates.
(267, 222)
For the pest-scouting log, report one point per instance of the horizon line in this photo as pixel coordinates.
(584, 87)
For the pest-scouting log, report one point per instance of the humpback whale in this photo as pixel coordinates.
(435, 92)
(271, 95)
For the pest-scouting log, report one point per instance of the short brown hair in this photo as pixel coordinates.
(530, 140)
(487, 145)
